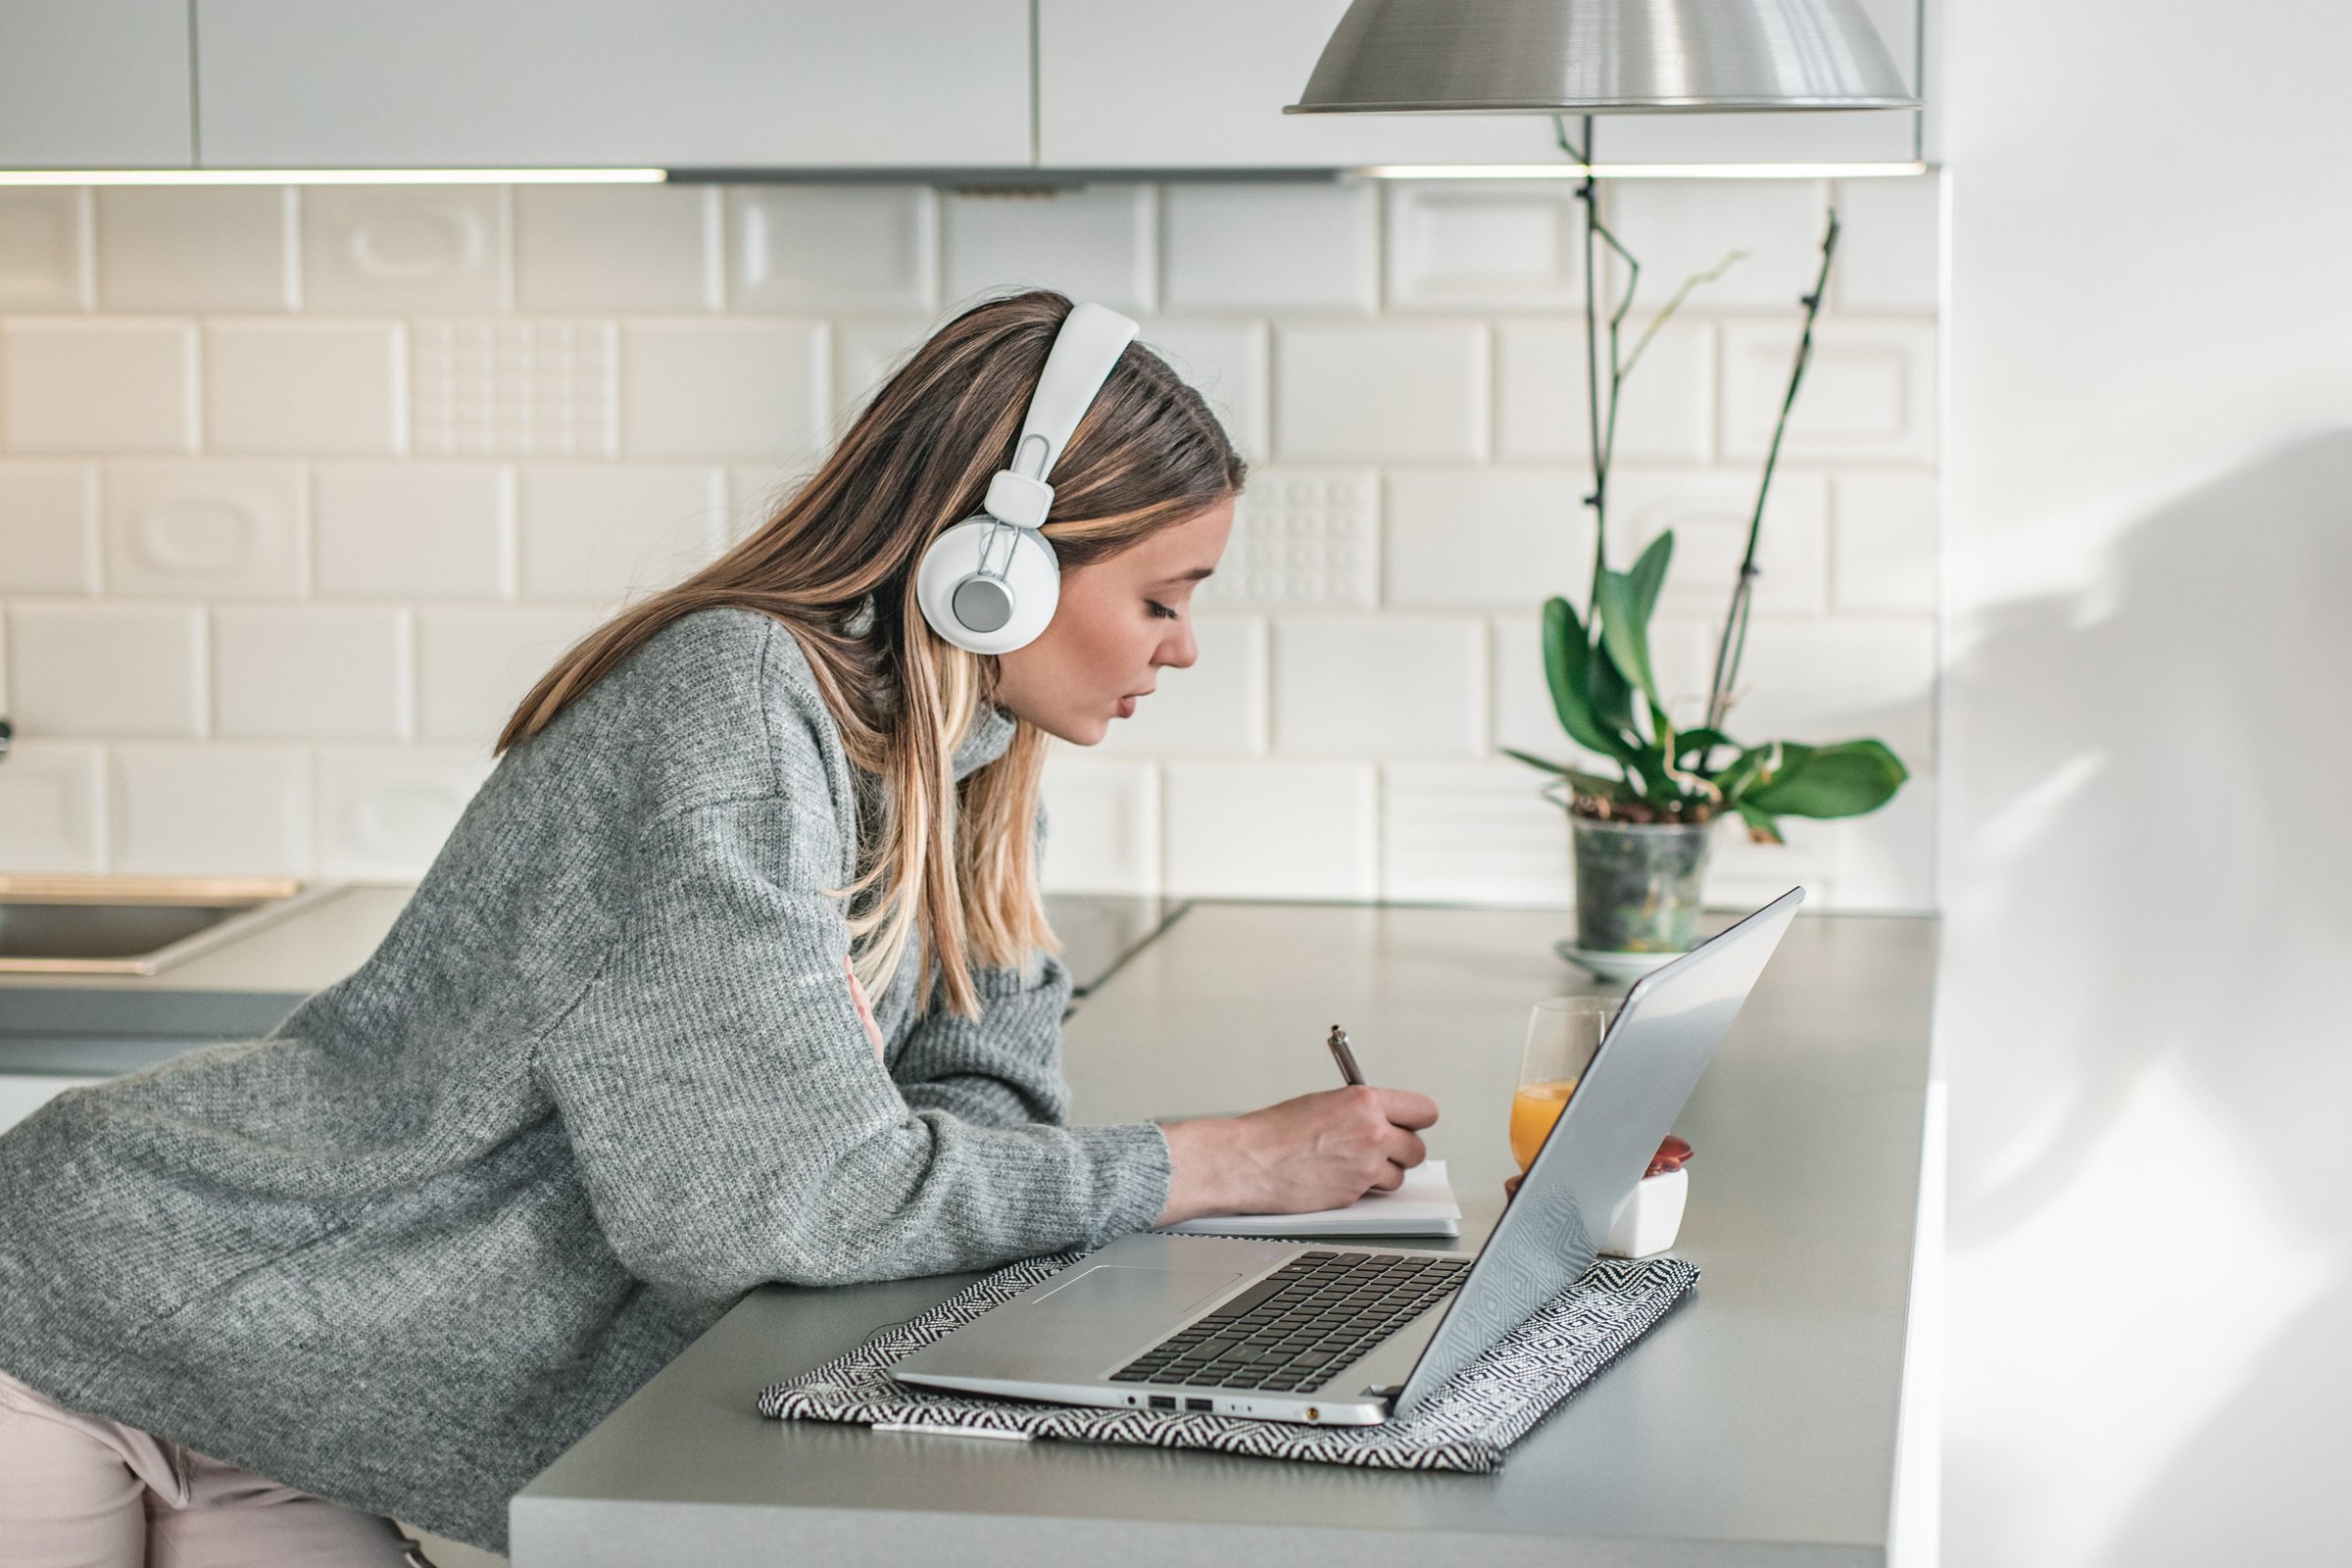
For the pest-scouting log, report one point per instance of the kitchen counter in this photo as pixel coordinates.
(1758, 1424)
(94, 1024)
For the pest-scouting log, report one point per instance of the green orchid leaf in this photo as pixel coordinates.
(1568, 663)
(1761, 828)
(1700, 740)
(1648, 575)
(1532, 761)
(1625, 633)
(1612, 698)
(1742, 772)
(1846, 779)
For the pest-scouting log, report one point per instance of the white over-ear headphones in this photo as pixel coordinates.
(990, 583)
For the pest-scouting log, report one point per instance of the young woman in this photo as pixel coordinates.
(616, 1065)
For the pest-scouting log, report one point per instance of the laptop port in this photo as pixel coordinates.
(1163, 1401)
(1201, 1405)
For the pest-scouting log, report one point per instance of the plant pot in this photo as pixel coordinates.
(1637, 884)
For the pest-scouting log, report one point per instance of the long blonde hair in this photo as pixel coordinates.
(952, 864)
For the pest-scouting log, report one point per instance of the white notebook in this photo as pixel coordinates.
(1423, 1205)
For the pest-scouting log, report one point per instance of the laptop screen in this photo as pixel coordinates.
(1626, 1101)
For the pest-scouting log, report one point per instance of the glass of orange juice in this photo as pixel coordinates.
(1562, 1033)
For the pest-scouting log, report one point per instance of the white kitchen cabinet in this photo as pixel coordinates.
(23, 1093)
(94, 84)
(682, 84)
(1146, 85)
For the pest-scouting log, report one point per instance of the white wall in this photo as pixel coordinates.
(2150, 541)
(300, 489)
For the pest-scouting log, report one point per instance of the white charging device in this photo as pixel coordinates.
(989, 584)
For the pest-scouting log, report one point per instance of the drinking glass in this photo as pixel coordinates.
(1562, 1033)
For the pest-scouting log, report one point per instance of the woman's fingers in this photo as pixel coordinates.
(1406, 1108)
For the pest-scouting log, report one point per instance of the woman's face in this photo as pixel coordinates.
(1117, 623)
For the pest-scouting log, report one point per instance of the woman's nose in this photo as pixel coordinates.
(1178, 650)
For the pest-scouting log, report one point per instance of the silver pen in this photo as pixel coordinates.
(1345, 1055)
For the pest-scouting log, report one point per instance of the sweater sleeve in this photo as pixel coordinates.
(731, 1122)
(1002, 1068)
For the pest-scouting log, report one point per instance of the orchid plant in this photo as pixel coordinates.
(1603, 683)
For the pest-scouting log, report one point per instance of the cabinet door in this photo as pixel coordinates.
(683, 83)
(1141, 83)
(94, 84)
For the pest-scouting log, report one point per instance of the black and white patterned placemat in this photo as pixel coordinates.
(1467, 1425)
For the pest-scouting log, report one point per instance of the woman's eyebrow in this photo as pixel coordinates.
(1193, 575)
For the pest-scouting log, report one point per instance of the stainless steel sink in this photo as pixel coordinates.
(132, 925)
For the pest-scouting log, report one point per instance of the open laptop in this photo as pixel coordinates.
(1348, 1336)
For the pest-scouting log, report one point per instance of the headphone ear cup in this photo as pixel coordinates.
(1000, 610)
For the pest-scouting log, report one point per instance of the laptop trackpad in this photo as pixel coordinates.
(1108, 1292)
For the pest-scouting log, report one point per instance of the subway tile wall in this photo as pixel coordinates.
(301, 489)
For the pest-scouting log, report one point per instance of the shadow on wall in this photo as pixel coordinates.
(2147, 975)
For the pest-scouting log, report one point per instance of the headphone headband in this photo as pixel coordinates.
(1085, 352)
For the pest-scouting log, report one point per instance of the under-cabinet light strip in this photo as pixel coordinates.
(332, 176)
(1637, 171)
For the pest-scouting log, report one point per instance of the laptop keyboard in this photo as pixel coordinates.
(1302, 1324)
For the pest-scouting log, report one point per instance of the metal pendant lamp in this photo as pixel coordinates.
(1579, 57)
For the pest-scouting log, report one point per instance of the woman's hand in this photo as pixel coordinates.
(1320, 1151)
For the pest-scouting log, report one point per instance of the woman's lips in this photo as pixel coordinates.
(1126, 708)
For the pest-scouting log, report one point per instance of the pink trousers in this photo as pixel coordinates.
(79, 1491)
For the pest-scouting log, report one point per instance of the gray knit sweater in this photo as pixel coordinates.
(604, 1076)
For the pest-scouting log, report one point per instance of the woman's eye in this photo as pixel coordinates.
(1159, 610)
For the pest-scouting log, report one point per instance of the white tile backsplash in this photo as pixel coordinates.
(724, 388)
(1102, 825)
(494, 388)
(801, 249)
(106, 670)
(51, 805)
(1094, 243)
(1840, 680)
(1380, 392)
(301, 672)
(218, 530)
(1225, 362)
(304, 386)
(1302, 538)
(1542, 413)
(45, 249)
(598, 532)
(1889, 246)
(1471, 833)
(1482, 244)
(431, 530)
(1216, 707)
(1868, 394)
(382, 811)
(404, 247)
(98, 386)
(1271, 830)
(194, 810)
(1884, 541)
(1709, 513)
(473, 666)
(1677, 228)
(298, 657)
(223, 248)
(48, 528)
(1378, 686)
(1496, 538)
(1271, 247)
(618, 247)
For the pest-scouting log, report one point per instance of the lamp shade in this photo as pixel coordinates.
(1602, 56)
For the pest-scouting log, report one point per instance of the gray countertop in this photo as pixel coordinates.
(106, 1023)
(1756, 1425)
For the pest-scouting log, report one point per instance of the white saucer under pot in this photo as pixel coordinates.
(1613, 966)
